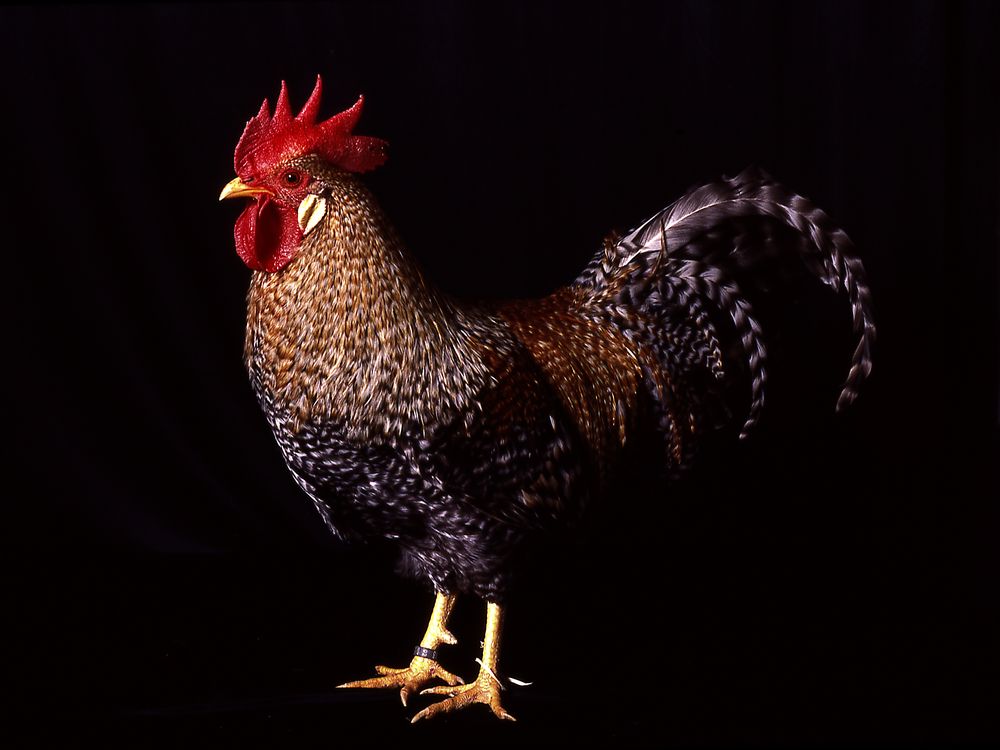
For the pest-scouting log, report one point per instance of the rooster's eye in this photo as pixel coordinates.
(292, 178)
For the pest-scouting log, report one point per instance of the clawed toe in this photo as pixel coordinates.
(408, 679)
(484, 690)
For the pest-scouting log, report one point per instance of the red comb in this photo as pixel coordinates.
(270, 139)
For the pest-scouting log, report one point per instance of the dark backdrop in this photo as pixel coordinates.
(827, 581)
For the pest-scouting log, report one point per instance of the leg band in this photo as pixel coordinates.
(426, 653)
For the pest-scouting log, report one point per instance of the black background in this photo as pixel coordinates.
(830, 580)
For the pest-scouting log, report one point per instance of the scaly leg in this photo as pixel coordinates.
(486, 689)
(424, 666)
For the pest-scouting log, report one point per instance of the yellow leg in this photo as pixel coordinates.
(486, 689)
(422, 669)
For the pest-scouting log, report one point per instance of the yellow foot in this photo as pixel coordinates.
(485, 689)
(409, 679)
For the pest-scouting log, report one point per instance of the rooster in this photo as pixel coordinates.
(462, 432)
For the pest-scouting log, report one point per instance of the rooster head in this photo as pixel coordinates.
(276, 164)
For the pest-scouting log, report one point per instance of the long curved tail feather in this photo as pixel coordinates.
(695, 250)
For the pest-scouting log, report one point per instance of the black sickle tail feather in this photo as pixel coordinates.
(695, 250)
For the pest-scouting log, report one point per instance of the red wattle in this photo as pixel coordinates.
(267, 235)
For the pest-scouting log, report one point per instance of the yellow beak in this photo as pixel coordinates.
(239, 189)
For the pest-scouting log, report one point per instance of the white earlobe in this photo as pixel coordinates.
(311, 211)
